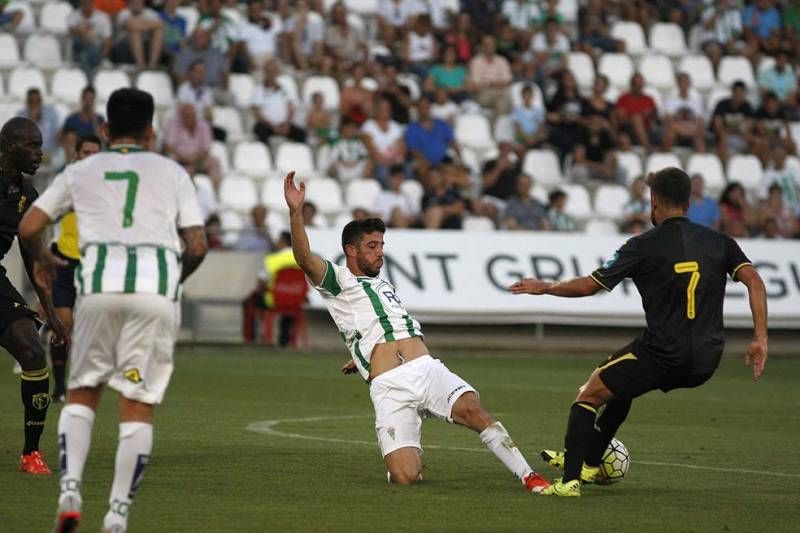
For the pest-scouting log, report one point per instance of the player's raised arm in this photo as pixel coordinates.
(574, 288)
(312, 265)
(756, 354)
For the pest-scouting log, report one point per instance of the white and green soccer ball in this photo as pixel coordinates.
(615, 463)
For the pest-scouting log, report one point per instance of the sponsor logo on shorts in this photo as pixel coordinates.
(450, 396)
(132, 375)
(390, 431)
(41, 401)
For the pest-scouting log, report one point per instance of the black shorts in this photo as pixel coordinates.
(64, 285)
(12, 305)
(629, 374)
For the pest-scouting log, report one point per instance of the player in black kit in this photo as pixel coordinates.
(679, 269)
(21, 152)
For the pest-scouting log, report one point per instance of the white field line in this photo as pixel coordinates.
(267, 427)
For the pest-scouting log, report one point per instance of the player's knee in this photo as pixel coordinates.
(405, 474)
(31, 357)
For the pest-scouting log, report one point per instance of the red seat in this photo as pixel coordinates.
(289, 295)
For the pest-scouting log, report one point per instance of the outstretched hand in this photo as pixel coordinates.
(529, 286)
(293, 194)
(756, 356)
(349, 367)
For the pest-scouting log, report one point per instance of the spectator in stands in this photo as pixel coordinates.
(529, 121)
(791, 26)
(549, 49)
(225, 35)
(383, 138)
(736, 216)
(214, 61)
(303, 37)
(342, 43)
(442, 205)
(195, 91)
(593, 29)
(359, 213)
(392, 206)
(318, 120)
(500, 175)
(482, 13)
(448, 76)
(772, 128)
(522, 212)
(683, 118)
(721, 30)
(702, 208)
(174, 28)
(762, 26)
(637, 114)
(398, 94)
(356, 100)
(490, 78)
(110, 7)
(594, 159)
(508, 46)
(187, 140)
(395, 17)
(86, 120)
(780, 79)
(349, 157)
(9, 20)
(732, 122)
(310, 218)
(597, 105)
(522, 15)
(272, 108)
(428, 139)
(557, 217)
(260, 34)
(140, 33)
(564, 112)
(463, 37)
(775, 218)
(214, 232)
(91, 36)
(420, 48)
(46, 117)
(255, 236)
(787, 177)
(637, 209)
(444, 108)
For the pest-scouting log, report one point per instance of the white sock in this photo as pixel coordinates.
(74, 438)
(496, 438)
(133, 454)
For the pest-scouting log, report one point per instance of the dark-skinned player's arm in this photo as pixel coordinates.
(194, 249)
(314, 266)
(756, 354)
(41, 264)
(574, 288)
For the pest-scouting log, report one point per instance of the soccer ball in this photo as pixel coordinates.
(615, 463)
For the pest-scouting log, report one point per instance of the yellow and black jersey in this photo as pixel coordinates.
(67, 241)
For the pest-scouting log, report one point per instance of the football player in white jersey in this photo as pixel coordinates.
(387, 349)
(134, 208)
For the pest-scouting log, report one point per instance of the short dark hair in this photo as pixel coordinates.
(556, 195)
(397, 168)
(738, 84)
(355, 229)
(130, 113)
(88, 138)
(195, 63)
(88, 89)
(672, 186)
(32, 91)
(286, 237)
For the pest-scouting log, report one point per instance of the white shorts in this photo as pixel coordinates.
(125, 340)
(404, 395)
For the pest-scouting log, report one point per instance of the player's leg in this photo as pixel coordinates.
(404, 465)
(58, 355)
(609, 421)
(21, 339)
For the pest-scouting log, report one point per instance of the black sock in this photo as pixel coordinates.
(58, 353)
(35, 389)
(608, 423)
(579, 435)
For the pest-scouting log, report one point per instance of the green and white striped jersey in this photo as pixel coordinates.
(129, 204)
(367, 312)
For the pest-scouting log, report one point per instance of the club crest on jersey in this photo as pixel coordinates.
(22, 203)
(132, 375)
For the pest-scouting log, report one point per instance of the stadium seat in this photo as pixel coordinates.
(232, 224)
(516, 93)
(471, 160)
(746, 169)
(716, 95)
(43, 51)
(62, 111)
(191, 14)
(326, 195)
(765, 63)
(657, 71)
(205, 189)
(220, 151)
(53, 17)
(230, 119)
(609, 201)
(410, 82)
(601, 226)
(632, 34)
(658, 160)
(7, 111)
(412, 189)
(9, 51)
(542, 165)
(289, 86)
(325, 85)
(341, 220)
(108, 81)
(710, 167)
(357, 24)
(67, 84)
(655, 94)
(582, 67)
(632, 164)
(618, 68)
(238, 193)
(539, 193)
(363, 7)
(472, 130)
(473, 223)
(28, 23)
(22, 79)
(579, 204)
(252, 159)
(568, 9)
(272, 195)
(324, 158)
(700, 70)
(735, 68)
(362, 193)
(241, 86)
(294, 156)
(158, 84)
(504, 129)
(234, 14)
(378, 50)
(667, 38)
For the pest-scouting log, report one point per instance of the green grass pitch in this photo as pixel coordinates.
(723, 457)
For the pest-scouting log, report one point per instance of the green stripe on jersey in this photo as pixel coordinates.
(79, 276)
(99, 266)
(409, 325)
(161, 256)
(388, 332)
(130, 270)
(329, 282)
(357, 349)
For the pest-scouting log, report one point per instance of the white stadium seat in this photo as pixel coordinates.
(410, 82)
(9, 51)
(700, 70)
(601, 226)
(362, 193)
(294, 156)
(22, 79)
(735, 68)
(326, 195)
(233, 14)
(289, 86)
(239, 193)
(618, 68)
(667, 38)
(357, 24)
(765, 63)
(220, 151)
(657, 71)
(341, 221)
(632, 164)
(746, 169)
(7, 111)
(504, 129)
(324, 158)
(232, 224)
(632, 34)
(363, 7)
(158, 84)
(325, 85)
(43, 51)
(272, 195)
(568, 9)
(191, 14)
(413, 190)
(472, 223)
(655, 94)
(253, 159)
(472, 130)
(241, 86)
(28, 23)
(230, 119)
(67, 84)
(539, 193)
(710, 167)
(609, 201)
(108, 81)
(543, 166)
(579, 204)
(658, 160)
(716, 95)
(582, 67)
(516, 93)
(53, 17)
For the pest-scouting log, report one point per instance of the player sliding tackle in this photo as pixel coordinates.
(680, 270)
(387, 349)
